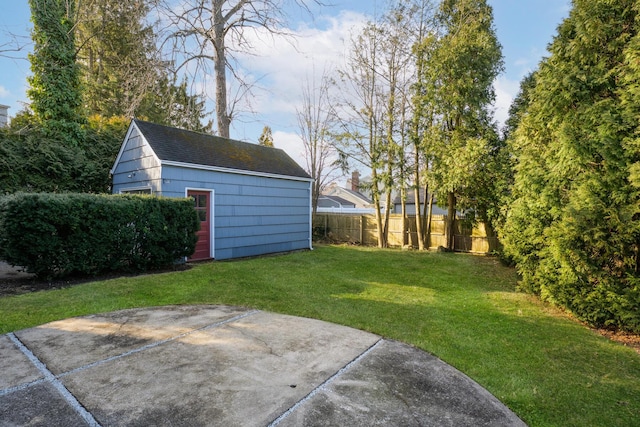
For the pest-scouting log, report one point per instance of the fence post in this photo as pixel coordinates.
(362, 221)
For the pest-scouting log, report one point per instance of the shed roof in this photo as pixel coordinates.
(182, 146)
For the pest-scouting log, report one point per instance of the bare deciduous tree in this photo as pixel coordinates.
(361, 114)
(13, 45)
(376, 109)
(204, 32)
(400, 29)
(316, 121)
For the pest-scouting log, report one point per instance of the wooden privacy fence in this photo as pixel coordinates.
(362, 230)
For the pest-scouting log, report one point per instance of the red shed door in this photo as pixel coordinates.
(202, 204)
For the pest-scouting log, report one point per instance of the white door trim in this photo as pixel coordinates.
(211, 216)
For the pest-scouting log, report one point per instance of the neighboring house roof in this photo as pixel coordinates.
(358, 195)
(410, 198)
(354, 197)
(334, 202)
(180, 147)
(411, 201)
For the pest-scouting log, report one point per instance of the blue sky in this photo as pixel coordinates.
(524, 29)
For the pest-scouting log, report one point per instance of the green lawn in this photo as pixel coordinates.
(548, 368)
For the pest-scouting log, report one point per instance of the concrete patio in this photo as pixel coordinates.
(228, 366)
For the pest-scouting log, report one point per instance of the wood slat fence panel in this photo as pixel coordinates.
(362, 230)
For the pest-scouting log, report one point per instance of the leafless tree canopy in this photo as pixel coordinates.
(207, 35)
(15, 46)
(375, 111)
(316, 125)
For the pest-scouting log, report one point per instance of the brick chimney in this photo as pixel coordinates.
(355, 181)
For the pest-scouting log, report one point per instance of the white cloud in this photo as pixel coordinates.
(4, 93)
(291, 144)
(283, 63)
(506, 91)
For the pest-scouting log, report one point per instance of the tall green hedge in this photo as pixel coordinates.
(573, 216)
(56, 235)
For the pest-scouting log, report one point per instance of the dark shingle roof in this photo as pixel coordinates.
(178, 145)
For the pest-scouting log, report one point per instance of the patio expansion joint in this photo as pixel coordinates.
(50, 377)
(55, 382)
(326, 383)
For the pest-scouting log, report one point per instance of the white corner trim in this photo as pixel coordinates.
(311, 215)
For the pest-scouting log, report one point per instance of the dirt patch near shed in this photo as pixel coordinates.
(15, 281)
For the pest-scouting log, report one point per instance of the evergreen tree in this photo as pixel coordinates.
(168, 103)
(117, 54)
(266, 139)
(509, 152)
(31, 161)
(519, 105)
(122, 73)
(574, 225)
(55, 91)
(455, 90)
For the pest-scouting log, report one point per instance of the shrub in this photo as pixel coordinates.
(56, 235)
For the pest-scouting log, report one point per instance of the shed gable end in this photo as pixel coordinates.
(137, 166)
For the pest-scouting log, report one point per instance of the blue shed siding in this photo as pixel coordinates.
(137, 167)
(253, 215)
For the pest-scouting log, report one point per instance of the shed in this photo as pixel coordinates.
(251, 200)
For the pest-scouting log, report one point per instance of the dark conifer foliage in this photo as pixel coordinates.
(573, 224)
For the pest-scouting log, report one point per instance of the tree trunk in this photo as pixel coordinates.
(387, 207)
(403, 201)
(419, 217)
(494, 245)
(376, 204)
(451, 215)
(387, 211)
(220, 70)
(315, 196)
(375, 195)
(429, 215)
